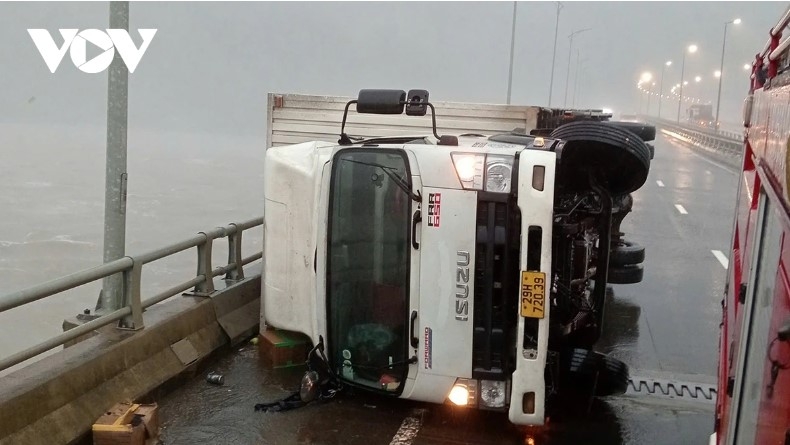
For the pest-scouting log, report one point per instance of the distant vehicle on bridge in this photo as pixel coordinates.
(701, 115)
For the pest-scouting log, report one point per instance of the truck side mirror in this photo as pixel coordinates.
(417, 103)
(381, 101)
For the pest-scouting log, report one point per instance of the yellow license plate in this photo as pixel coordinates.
(533, 294)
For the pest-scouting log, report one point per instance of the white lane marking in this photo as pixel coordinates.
(725, 263)
(681, 209)
(660, 183)
(409, 428)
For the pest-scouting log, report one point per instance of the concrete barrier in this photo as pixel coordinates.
(57, 399)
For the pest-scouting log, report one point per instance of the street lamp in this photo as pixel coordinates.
(721, 68)
(568, 74)
(661, 87)
(697, 79)
(747, 66)
(690, 50)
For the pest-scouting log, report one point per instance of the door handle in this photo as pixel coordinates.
(416, 219)
(415, 341)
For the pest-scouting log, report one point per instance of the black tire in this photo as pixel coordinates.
(613, 379)
(652, 151)
(644, 131)
(630, 274)
(626, 253)
(619, 160)
(578, 371)
(622, 203)
(582, 368)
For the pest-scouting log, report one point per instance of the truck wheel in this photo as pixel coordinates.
(629, 274)
(618, 159)
(614, 377)
(644, 131)
(626, 253)
(584, 368)
(622, 204)
(578, 371)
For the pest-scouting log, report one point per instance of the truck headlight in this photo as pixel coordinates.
(499, 170)
(470, 168)
(464, 392)
(480, 171)
(493, 394)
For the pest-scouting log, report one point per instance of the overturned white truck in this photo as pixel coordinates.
(464, 269)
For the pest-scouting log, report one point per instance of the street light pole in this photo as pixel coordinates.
(568, 73)
(649, 93)
(111, 296)
(721, 68)
(691, 49)
(682, 73)
(554, 54)
(512, 47)
(661, 87)
(575, 80)
(641, 100)
(579, 70)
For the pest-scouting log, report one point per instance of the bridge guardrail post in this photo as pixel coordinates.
(131, 297)
(206, 287)
(234, 254)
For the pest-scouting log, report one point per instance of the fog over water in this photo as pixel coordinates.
(197, 105)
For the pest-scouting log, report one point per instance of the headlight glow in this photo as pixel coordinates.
(470, 169)
(480, 171)
(464, 393)
(465, 166)
(459, 395)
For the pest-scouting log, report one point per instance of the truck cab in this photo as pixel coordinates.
(451, 269)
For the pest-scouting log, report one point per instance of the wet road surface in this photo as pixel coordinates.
(201, 413)
(665, 326)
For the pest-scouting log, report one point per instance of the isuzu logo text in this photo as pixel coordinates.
(462, 286)
(76, 43)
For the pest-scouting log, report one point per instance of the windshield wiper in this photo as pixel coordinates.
(403, 185)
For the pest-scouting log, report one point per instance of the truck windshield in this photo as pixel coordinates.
(368, 267)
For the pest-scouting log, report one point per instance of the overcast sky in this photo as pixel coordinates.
(210, 65)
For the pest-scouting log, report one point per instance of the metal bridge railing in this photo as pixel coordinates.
(725, 142)
(130, 315)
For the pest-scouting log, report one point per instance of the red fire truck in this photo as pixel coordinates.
(753, 405)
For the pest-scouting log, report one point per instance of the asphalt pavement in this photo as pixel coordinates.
(665, 327)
